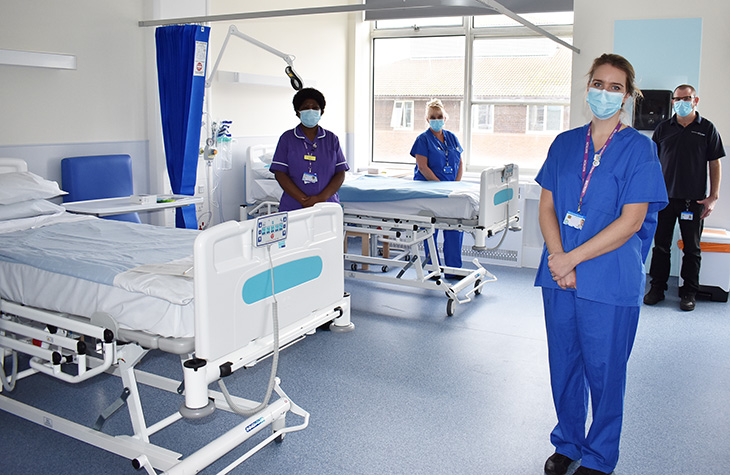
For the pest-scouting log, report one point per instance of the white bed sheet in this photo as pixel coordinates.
(62, 293)
(39, 221)
(261, 186)
(455, 207)
(135, 310)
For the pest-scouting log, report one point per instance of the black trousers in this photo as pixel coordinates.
(691, 230)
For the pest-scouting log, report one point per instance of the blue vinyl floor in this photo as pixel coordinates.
(412, 391)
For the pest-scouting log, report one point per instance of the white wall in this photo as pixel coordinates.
(593, 34)
(100, 101)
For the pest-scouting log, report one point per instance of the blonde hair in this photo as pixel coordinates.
(436, 104)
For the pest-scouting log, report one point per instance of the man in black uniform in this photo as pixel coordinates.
(688, 145)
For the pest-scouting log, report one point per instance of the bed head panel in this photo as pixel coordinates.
(9, 165)
(499, 191)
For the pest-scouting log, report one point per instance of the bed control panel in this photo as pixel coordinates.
(508, 172)
(271, 228)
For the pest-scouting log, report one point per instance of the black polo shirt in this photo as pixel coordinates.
(684, 153)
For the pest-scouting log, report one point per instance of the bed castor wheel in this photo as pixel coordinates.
(450, 307)
(478, 289)
(279, 439)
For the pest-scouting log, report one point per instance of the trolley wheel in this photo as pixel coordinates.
(450, 307)
(384, 268)
(353, 266)
(476, 284)
(279, 439)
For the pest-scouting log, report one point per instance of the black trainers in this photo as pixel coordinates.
(687, 303)
(654, 295)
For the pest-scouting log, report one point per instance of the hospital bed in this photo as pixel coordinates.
(221, 299)
(404, 215)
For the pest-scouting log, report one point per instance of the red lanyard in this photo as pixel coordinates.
(596, 160)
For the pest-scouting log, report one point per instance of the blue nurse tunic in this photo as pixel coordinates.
(591, 329)
(444, 159)
(289, 158)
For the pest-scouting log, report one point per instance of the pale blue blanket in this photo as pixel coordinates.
(95, 249)
(379, 188)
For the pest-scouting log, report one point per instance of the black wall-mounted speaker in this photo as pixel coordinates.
(654, 108)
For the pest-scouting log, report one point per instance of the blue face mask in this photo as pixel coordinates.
(436, 124)
(310, 117)
(604, 104)
(683, 108)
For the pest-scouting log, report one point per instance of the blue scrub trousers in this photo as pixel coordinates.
(452, 247)
(589, 344)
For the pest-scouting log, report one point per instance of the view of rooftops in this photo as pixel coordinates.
(515, 102)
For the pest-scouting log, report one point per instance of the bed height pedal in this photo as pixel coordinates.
(113, 407)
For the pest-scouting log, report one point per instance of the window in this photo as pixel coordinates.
(408, 73)
(483, 117)
(545, 118)
(402, 117)
(507, 94)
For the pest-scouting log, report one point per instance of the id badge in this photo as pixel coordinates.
(686, 216)
(309, 178)
(310, 158)
(574, 220)
(448, 170)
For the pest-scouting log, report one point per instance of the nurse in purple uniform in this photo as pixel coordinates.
(308, 162)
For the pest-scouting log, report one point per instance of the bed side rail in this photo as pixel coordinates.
(53, 340)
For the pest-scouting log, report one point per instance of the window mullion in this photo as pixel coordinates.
(468, 75)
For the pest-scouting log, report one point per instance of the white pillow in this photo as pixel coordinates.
(260, 166)
(29, 209)
(23, 186)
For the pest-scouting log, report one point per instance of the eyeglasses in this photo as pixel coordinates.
(685, 98)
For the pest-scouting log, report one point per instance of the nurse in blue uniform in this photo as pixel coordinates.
(438, 158)
(602, 188)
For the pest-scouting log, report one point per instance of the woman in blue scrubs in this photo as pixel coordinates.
(602, 188)
(438, 158)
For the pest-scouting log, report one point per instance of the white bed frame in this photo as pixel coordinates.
(230, 334)
(498, 212)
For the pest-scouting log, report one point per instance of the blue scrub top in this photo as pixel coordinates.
(439, 154)
(289, 158)
(629, 172)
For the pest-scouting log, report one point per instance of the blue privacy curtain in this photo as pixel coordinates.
(181, 60)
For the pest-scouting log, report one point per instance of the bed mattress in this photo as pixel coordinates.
(447, 199)
(455, 200)
(51, 276)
